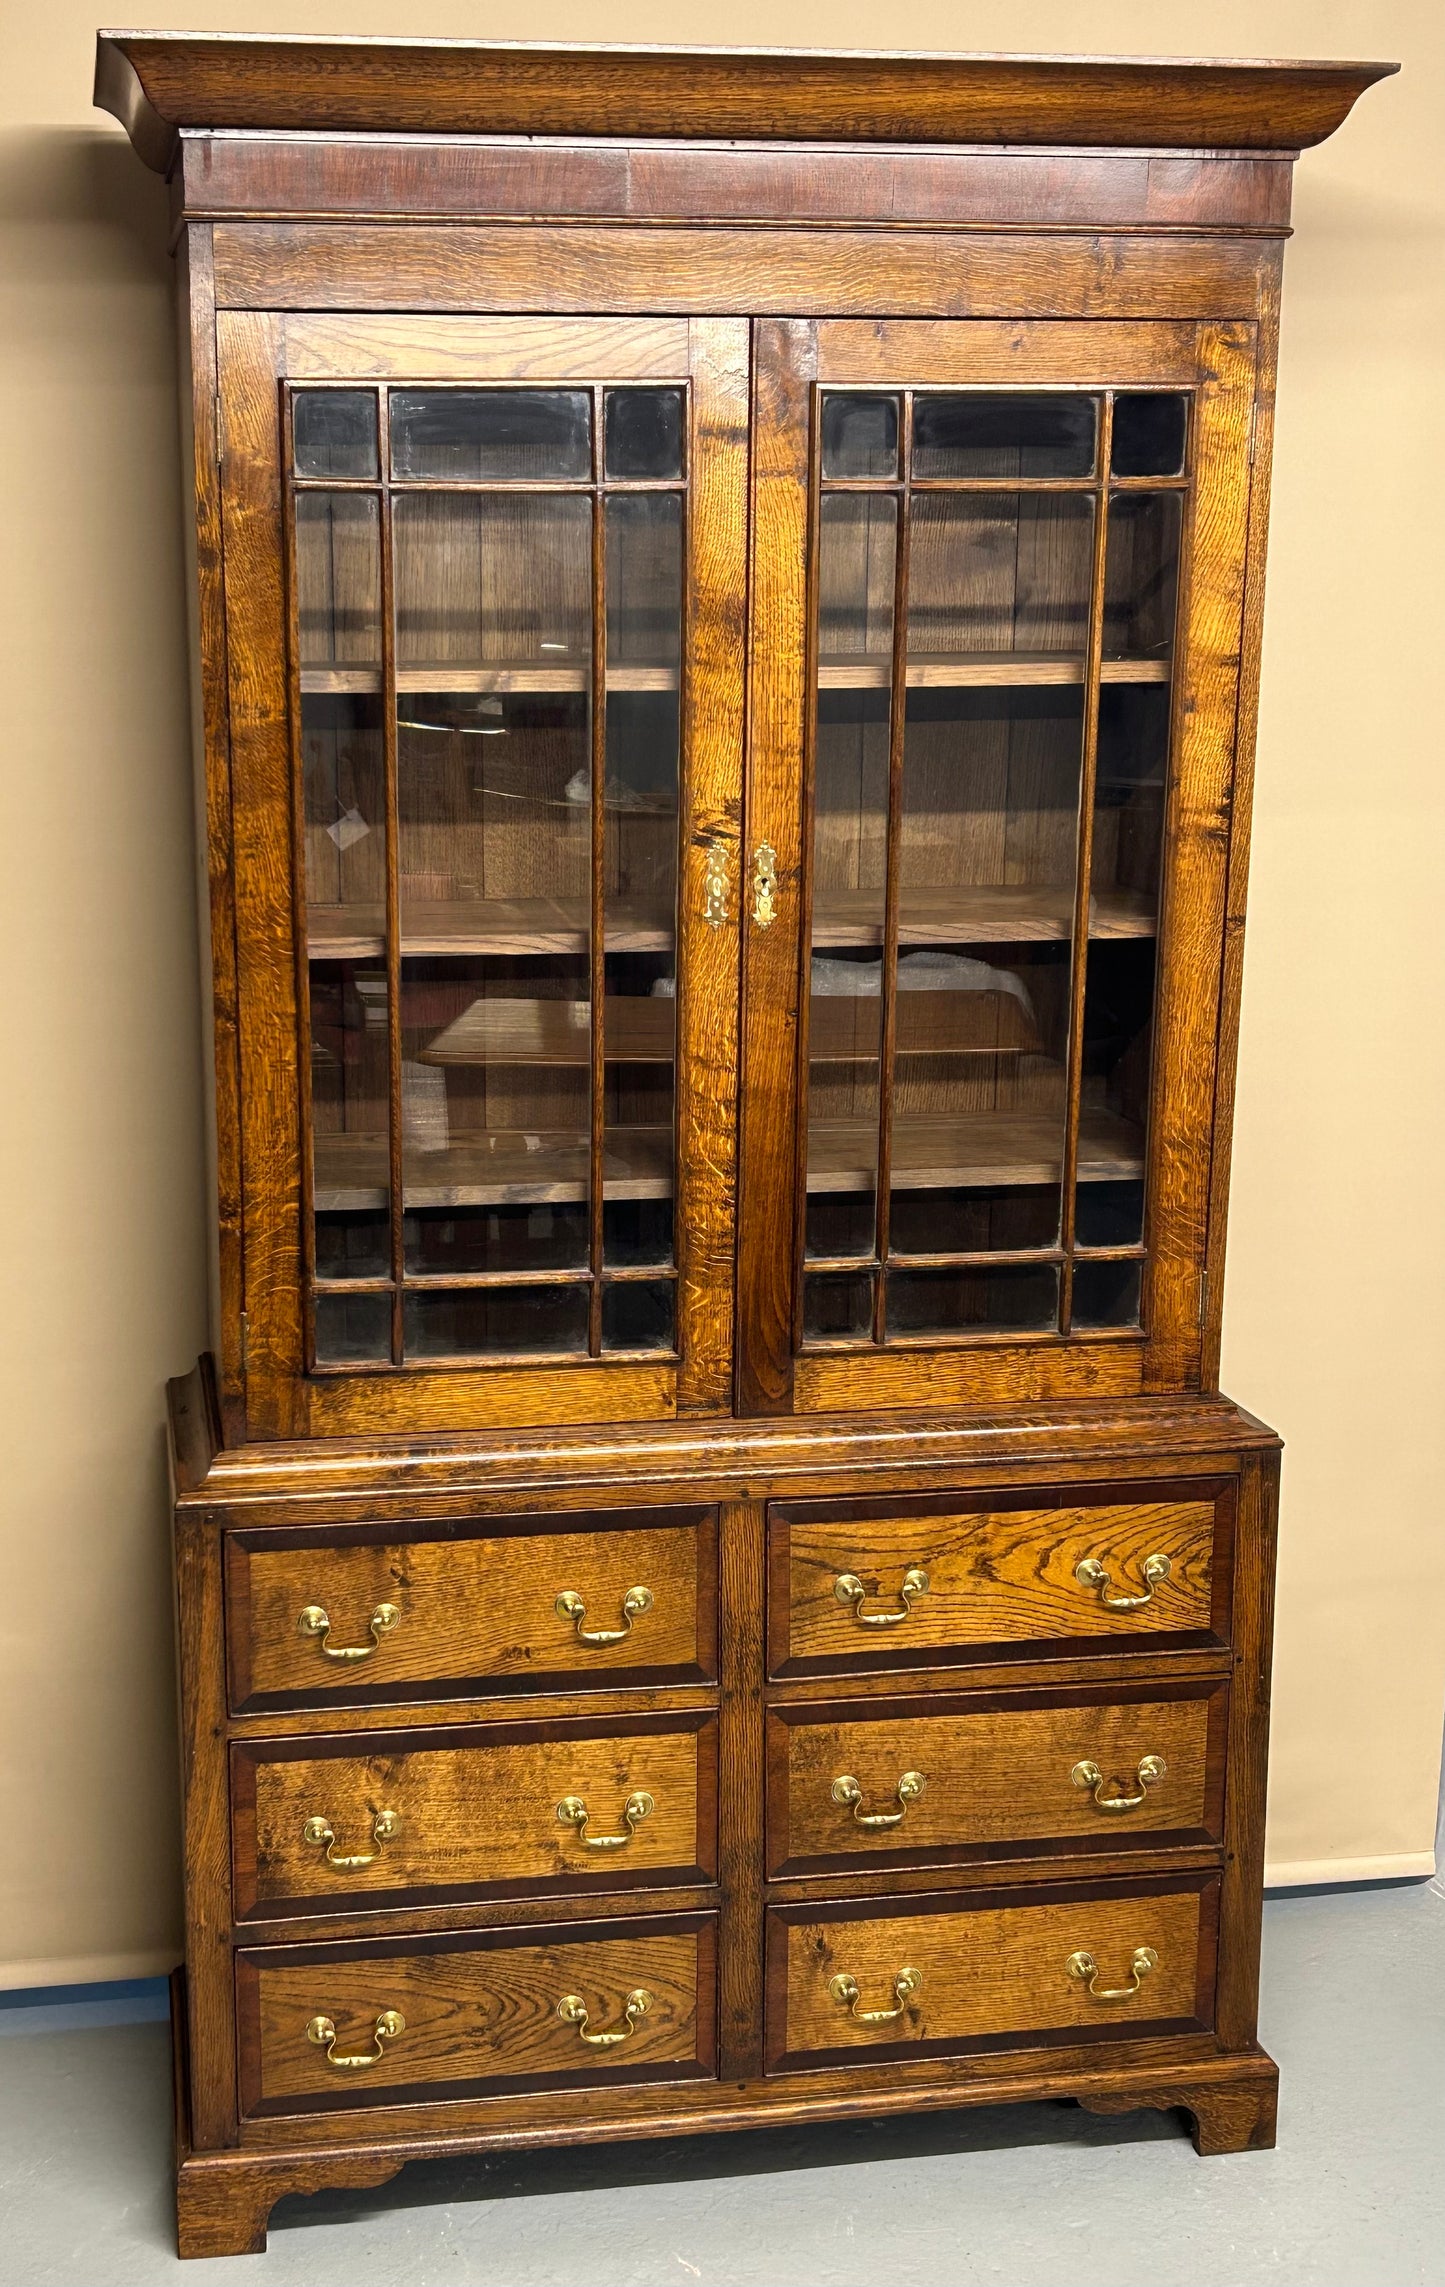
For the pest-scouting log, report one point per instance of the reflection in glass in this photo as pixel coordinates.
(1012, 434)
(334, 432)
(1149, 432)
(999, 571)
(860, 435)
(643, 434)
(509, 435)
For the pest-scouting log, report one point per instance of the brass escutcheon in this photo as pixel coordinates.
(715, 885)
(765, 886)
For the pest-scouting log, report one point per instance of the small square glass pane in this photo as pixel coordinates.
(1007, 436)
(1110, 1214)
(638, 1315)
(643, 433)
(353, 1329)
(1148, 435)
(1106, 1294)
(508, 435)
(353, 1246)
(637, 1231)
(860, 436)
(491, 1321)
(837, 1308)
(334, 432)
(1015, 1298)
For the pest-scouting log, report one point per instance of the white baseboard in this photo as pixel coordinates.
(85, 1969)
(1295, 1874)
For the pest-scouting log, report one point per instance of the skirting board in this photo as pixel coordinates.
(85, 1969)
(1299, 1873)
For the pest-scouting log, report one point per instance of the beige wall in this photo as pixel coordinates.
(1334, 1329)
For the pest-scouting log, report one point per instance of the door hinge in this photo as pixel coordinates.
(1253, 429)
(245, 1343)
(1203, 1298)
(219, 409)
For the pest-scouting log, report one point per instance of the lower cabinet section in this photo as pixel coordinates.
(903, 1977)
(475, 2014)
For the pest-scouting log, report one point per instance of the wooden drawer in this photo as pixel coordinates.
(989, 1970)
(446, 1611)
(475, 2014)
(325, 1825)
(963, 1777)
(943, 1579)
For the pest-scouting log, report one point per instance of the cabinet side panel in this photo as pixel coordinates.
(1242, 1894)
(206, 1831)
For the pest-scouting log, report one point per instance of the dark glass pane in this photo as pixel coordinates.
(1114, 1107)
(638, 1316)
(1148, 435)
(969, 1222)
(334, 432)
(837, 1307)
(637, 1231)
(1142, 575)
(1020, 1297)
(342, 769)
(349, 1106)
(508, 434)
(644, 433)
(541, 1320)
(994, 572)
(860, 436)
(1132, 782)
(353, 1329)
(1110, 1214)
(840, 1223)
(978, 435)
(1107, 1294)
(549, 1237)
(353, 1246)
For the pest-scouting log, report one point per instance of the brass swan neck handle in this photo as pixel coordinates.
(1148, 1772)
(1090, 1573)
(849, 1589)
(846, 1790)
(569, 1606)
(844, 1989)
(573, 1812)
(314, 1620)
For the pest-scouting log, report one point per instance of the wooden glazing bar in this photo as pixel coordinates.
(596, 944)
(464, 484)
(1084, 865)
(807, 870)
(1031, 484)
(888, 980)
(300, 892)
(944, 1261)
(390, 765)
(425, 1282)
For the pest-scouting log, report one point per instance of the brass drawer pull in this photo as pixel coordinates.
(385, 1827)
(908, 1790)
(569, 1606)
(845, 1989)
(572, 1811)
(1091, 1574)
(572, 2010)
(849, 1589)
(1085, 1968)
(314, 1620)
(765, 886)
(715, 885)
(323, 2033)
(1151, 1769)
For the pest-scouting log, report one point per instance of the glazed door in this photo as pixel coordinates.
(484, 587)
(996, 620)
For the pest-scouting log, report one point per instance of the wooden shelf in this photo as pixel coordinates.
(846, 1031)
(486, 925)
(496, 1169)
(522, 675)
(989, 914)
(945, 1149)
(638, 1030)
(959, 670)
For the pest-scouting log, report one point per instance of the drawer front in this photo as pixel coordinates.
(324, 1825)
(475, 2014)
(856, 1585)
(949, 1778)
(376, 1613)
(918, 1977)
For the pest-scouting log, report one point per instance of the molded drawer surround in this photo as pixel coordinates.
(906, 1977)
(476, 2013)
(943, 1579)
(951, 1777)
(472, 1608)
(329, 1825)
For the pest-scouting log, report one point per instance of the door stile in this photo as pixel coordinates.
(395, 1137)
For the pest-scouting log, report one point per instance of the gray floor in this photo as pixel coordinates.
(1035, 2196)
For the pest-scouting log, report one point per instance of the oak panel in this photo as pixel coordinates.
(477, 1811)
(996, 1775)
(480, 2011)
(473, 1605)
(990, 1972)
(997, 1576)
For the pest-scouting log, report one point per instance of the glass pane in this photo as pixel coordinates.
(1142, 577)
(857, 550)
(507, 434)
(1110, 1214)
(1007, 435)
(1014, 1298)
(997, 572)
(1107, 1294)
(338, 587)
(485, 580)
(353, 1329)
(638, 1315)
(837, 1309)
(350, 1101)
(860, 436)
(1149, 435)
(637, 1231)
(343, 790)
(644, 433)
(539, 1320)
(333, 432)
